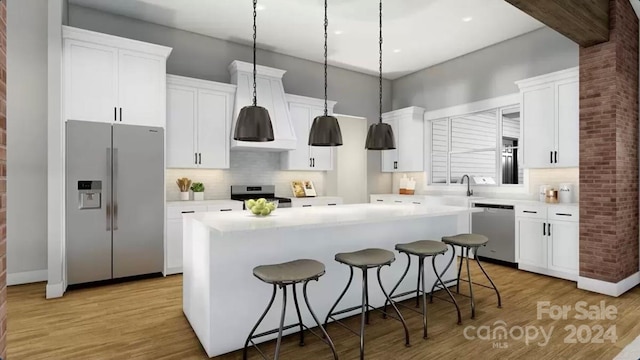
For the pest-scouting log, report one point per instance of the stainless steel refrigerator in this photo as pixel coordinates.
(114, 201)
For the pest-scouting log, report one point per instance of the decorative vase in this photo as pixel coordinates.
(184, 195)
(198, 196)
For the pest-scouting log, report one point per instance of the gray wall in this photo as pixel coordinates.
(486, 73)
(27, 136)
(207, 58)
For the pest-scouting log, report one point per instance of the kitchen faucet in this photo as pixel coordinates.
(469, 191)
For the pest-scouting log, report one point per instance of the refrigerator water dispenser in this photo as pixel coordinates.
(89, 195)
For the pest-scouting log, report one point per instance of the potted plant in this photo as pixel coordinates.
(198, 191)
(183, 185)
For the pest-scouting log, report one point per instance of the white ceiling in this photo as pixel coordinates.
(417, 33)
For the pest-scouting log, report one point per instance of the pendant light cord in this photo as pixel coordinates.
(381, 61)
(326, 26)
(255, 14)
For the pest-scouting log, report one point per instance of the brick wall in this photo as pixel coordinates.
(609, 150)
(3, 179)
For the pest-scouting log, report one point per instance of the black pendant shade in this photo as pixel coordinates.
(254, 124)
(325, 131)
(380, 137)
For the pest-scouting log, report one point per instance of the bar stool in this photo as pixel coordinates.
(365, 260)
(281, 276)
(422, 249)
(467, 242)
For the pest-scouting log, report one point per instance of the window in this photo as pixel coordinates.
(481, 144)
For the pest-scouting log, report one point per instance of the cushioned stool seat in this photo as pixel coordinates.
(366, 258)
(466, 240)
(423, 248)
(289, 272)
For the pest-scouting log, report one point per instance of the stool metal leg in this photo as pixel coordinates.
(404, 324)
(460, 269)
(366, 289)
(453, 256)
(489, 278)
(326, 321)
(246, 344)
(433, 262)
(398, 284)
(424, 296)
(315, 318)
(473, 302)
(295, 301)
(284, 312)
(365, 310)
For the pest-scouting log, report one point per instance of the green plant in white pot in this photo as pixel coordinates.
(198, 191)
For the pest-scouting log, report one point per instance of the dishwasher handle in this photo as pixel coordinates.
(493, 206)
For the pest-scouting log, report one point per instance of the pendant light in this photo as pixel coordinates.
(254, 123)
(380, 135)
(325, 130)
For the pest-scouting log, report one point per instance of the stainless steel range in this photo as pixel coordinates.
(246, 192)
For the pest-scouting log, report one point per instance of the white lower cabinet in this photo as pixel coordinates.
(547, 239)
(173, 248)
(316, 201)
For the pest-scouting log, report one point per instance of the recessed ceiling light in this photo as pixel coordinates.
(397, 50)
(260, 7)
(467, 18)
(338, 32)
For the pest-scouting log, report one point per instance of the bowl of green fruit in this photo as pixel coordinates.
(261, 207)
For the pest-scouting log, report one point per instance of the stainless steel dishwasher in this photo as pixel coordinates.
(497, 222)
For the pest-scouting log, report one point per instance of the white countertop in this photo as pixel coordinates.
(480, 199)
(203, 203)
(517, 202)
(314, 217)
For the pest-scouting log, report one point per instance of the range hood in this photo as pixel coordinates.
(271, 96)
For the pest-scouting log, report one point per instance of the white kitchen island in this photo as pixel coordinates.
(223, 300)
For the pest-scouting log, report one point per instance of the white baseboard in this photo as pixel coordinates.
(55, 290)
(26, 277)
(607, 288)
(173, 271)
(548, 272)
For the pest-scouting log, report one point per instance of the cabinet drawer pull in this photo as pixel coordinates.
(563, 214)
(398, 201)
(188, 212)
(332, 204)
(379, 200)
(225, 209)
(417, 203)
(306, 205)
(530, 212)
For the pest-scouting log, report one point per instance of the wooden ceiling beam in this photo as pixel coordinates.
(584, 21)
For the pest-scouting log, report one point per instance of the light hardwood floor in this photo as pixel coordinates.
(144, 320)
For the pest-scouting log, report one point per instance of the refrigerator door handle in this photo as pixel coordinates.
(114, 181)
(108, 198)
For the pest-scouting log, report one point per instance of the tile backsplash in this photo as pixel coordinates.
(533, 179)
(247, 168)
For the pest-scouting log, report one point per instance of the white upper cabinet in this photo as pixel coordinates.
(91, 86)
(550, 117)
(198, 123)
(113, 79)
(408, 129)
(312, 158)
